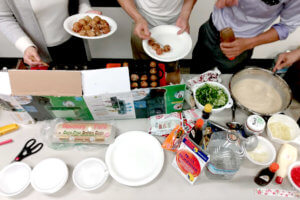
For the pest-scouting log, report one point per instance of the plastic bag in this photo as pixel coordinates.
(162, 125)
(174, 139)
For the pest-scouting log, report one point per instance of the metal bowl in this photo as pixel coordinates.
(268, 77)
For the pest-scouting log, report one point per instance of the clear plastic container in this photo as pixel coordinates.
(226, 155)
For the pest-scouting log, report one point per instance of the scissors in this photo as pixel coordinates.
(31, 147)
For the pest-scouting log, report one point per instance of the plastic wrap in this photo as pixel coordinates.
(162, 125)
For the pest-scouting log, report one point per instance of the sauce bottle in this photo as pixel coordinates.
(196, 132)
(265, 176)
(206, 111)
(227, 35)
(287, 155)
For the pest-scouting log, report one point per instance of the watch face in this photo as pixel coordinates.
(271, 2)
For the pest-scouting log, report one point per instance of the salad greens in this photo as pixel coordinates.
(212, 94)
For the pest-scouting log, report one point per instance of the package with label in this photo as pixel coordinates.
(190, 160)
(162, 125)
(174, 139)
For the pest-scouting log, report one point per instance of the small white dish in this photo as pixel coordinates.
(14, 179)
(295, 164)
(68, 25)
(135, 158)
(49, 176)
(90, 174)
(214, 110)
(265, 150)
(181, 44)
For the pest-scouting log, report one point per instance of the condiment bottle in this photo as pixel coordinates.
(265, 176)
(254, 125)
(227, 35)
(287, 155)
(206, 111)
(196, 132)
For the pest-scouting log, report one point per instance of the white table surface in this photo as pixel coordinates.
(168, 185)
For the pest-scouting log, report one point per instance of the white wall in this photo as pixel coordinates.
(118, 45)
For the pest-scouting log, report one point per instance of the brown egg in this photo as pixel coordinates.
(153, 71)
(153, 77)
(83, 33)
(91, 33)
(152, 64)
(153, 84)
(87, 27)
(134, 77)
(134, 85)
(144, 84)
(97, 19)
(167, 48)
(159, 51)
(87, 18)
(82, 22)
(144, 77)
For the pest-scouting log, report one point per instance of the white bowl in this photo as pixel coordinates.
(215, 110)
(167, 34)
(263, 146)
(90, 174)
(295, 164)
(68, 25)
(288, 121)
(49, 175)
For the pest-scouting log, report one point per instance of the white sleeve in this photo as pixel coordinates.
(84, 6)
(23, 43)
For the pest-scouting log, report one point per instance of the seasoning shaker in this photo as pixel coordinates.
(255, 125)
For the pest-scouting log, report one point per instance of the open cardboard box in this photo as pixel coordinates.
(85, 95)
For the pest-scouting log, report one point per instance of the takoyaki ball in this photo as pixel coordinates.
(93, 24)
(159, 51)
(87, 18)
(151, 41)
(153, 77)
(106, 30)
(82, 22)
(152, 64)
(155, 46)
(153, 84)
(167, 48)
(91, 33)
(83, 33)
(144, 84)
(97, 19)
(134, 77)
(87, 27)
(134, 85)
(144, 77)
(97, 32)
(125, 64)
(104, 22)
(77, 27)
(153, 71)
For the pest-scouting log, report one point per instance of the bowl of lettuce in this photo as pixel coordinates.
(213, 93)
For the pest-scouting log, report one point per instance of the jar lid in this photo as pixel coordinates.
(256, 123)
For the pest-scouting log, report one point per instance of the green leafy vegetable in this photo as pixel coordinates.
(214, 95)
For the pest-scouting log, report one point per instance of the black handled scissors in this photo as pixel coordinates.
(29, 148)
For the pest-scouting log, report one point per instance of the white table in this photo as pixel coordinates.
(168, 185)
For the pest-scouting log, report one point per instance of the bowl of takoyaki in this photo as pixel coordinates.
(90, 26)
(166, 45)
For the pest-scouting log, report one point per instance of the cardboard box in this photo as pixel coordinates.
(86, 95)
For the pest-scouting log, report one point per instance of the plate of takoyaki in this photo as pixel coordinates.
(166, 45)
(90, 26)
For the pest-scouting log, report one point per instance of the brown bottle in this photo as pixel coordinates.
(265, 176)
(227, 35)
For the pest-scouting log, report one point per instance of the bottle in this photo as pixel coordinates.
(196, 132)
(206, 112)
(255, 125)
(173, 74)
(226, 155)
(227, 35)
(265, 176)
(286, 156)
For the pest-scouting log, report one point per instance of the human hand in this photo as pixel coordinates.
(95, 12)
(183, 24)
(286, 60)
(235, 48)
(31, 57)
(226, 3)
(141, 29)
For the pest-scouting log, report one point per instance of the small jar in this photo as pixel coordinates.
(255, 125)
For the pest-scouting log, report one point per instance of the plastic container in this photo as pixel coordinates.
(293, 175)
(226, 155)
(255, 125)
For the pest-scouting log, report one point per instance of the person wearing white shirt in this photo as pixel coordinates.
(35, 27)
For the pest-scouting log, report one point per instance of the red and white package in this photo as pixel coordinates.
(190, 118)
(212, 75)
(162, 125)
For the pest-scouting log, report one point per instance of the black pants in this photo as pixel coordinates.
(207, 53)
(71, 52)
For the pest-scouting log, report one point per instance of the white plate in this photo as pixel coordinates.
(167, 34)
(135, 158)
(49, 176)
(90, 174)
(68, 25)
(14, 179)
